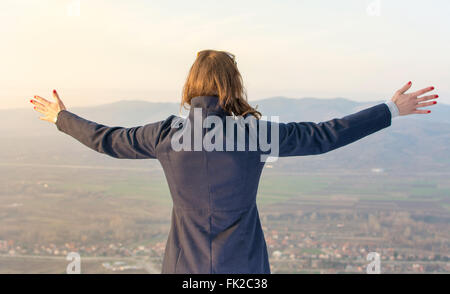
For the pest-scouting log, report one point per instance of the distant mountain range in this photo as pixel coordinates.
(415, 143)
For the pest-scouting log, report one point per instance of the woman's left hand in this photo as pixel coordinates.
(49, 109)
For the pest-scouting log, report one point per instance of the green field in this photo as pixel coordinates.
(95, 206)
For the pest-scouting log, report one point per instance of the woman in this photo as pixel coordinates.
(215, 223)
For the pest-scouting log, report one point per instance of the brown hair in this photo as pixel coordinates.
(215, 73)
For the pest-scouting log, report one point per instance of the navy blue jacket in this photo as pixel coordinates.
(215, 224)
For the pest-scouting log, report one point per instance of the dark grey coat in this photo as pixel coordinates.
(215, 223)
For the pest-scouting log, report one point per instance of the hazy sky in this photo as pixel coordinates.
(112, 50)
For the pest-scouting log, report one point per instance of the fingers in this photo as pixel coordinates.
(58, 100)
(421, 111)
(425, 104)
(422, 91)
(37, 103)
(425, 98)
(56, 96)
(404, 88)
(42, 100)
(45, 118)
(40, 109)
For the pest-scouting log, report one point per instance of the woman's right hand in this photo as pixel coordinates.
(49, 109)
(408, 103)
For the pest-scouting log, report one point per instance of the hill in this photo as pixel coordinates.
(416, 143)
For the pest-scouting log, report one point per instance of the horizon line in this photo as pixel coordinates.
(260, 99)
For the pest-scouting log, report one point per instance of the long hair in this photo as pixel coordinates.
(215, 73)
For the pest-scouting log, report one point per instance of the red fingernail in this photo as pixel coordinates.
(434, 102)
(436, 96)
(54, 91)
(409, 83)
(34, 107)
(432, 88)
(31, 101)
(429, 111)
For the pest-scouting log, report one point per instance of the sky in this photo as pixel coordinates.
(95, 52)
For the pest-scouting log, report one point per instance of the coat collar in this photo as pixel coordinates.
(210, 104)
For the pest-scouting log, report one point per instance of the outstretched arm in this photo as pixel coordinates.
(118, 142)
(308, 138)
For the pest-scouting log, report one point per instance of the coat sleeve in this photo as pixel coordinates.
(118, 142)
(309, 138)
